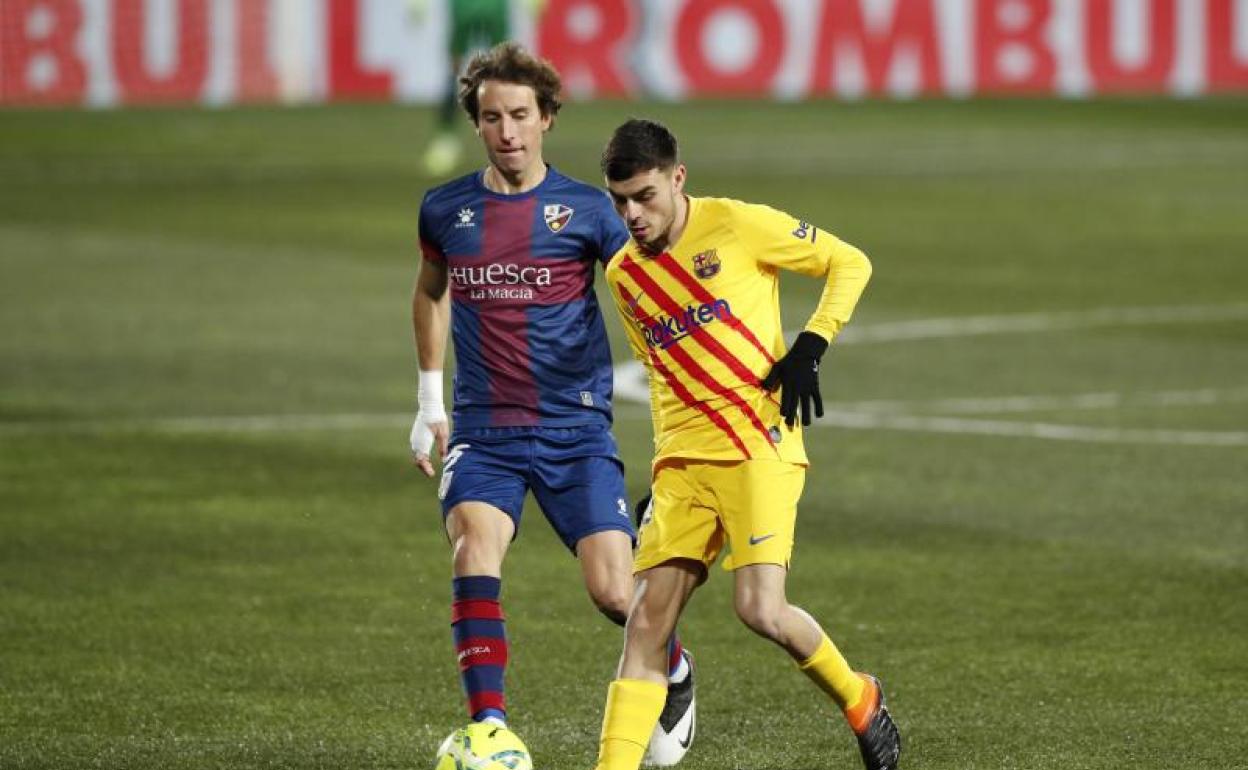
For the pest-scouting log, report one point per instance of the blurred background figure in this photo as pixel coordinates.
(471, 25)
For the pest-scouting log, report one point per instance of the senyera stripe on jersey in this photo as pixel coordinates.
(679, 388)
(712, 346)
(682, 356)
(668, 263)
(670, 306)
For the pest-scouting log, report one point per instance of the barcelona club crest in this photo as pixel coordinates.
(706, 264)
(557, 216)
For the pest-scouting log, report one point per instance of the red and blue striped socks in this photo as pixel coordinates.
(478, 629)
(677, 668)
(480, 643)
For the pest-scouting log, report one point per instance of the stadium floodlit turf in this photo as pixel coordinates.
(1028, 511)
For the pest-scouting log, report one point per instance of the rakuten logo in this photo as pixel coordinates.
(666, 331)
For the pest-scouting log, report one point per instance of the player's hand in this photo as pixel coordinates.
(797, 376)
(428, 430)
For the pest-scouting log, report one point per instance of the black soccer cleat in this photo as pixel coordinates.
(879, 742)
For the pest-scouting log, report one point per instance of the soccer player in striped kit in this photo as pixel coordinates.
(509, 259)
(698, 291)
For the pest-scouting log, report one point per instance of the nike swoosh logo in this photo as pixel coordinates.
(757, 540)
(684, 742)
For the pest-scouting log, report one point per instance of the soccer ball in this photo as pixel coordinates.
(483, 746)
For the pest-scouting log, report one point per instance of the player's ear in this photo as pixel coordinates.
(678, 178)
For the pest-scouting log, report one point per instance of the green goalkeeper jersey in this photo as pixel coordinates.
(477, 24)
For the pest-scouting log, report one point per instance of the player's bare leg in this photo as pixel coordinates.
(762, 605)
(479, 535)
(659, 596)
(607, 566)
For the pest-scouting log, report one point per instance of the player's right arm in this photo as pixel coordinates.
(431, 320)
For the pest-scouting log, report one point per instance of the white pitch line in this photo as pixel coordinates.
(260, 423)
(860, 420)
(1018, 323)
(630, 376)
(630, 380)
(1040, 430)
(900, 416)
(1023, 404)
(630, 385)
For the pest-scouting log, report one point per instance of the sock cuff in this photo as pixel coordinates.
(476, 609)
(480, 706)
(632, 704)
(476, 587)
(822, 651)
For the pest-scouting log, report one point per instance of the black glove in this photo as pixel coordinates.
(639, 510)
(797, 376)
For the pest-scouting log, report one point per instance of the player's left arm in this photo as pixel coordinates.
(780, 240)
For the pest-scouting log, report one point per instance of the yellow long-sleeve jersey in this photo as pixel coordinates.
(704, 318)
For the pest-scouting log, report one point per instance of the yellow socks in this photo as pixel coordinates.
(634, 705)
(828, 669)
(633, 708)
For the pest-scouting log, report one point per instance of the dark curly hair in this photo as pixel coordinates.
(510, 63)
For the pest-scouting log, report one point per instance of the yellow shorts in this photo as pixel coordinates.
(699, 505)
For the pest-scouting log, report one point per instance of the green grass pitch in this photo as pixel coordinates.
(1027, 513)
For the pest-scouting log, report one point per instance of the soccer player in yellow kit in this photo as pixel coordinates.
(698, 290)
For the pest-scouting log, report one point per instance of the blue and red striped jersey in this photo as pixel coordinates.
(530, 346)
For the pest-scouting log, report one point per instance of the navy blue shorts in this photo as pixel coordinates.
(575, 474)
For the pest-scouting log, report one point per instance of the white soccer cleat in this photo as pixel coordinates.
(677, 724)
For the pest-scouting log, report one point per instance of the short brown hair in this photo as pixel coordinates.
(510, 63)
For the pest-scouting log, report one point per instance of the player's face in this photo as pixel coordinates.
(649, 203)
(511, 126)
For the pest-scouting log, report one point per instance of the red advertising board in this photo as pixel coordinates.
(118, 52)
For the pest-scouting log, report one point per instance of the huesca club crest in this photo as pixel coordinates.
(557, 216)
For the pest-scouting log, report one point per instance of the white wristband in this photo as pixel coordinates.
(429, 412)
(429, 396)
